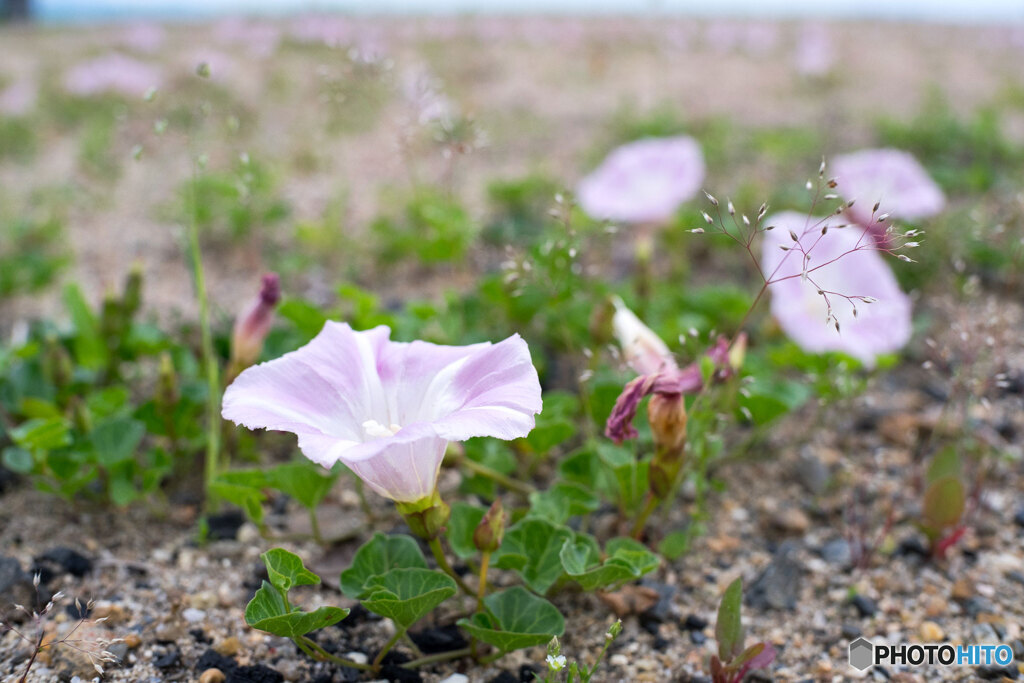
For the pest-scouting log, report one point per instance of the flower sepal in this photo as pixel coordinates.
(426, 517)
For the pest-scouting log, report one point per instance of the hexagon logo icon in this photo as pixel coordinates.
(862, 654)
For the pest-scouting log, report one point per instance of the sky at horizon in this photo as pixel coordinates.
(956, 11)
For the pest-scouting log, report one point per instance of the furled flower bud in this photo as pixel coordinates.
(667, 416)
(167, 384)
(252, 326)
(426, 518)
(488, 534)
(644, 351)
(738, 352)
(57, 363)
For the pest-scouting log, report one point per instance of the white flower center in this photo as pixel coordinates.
(375, 430)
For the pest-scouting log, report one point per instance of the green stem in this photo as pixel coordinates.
(507, 482)
(481, 592)
(209, 361)
(315, 526)
(416, 651)
(316, 652)
(442, 562)
(439, 657)
(641, 521)
(493, 658)
(387, 648)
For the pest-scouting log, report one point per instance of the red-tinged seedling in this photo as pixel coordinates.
(733, 661)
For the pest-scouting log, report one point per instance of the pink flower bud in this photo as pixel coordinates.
(252, 327)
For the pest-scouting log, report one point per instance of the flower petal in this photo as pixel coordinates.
(892, 178)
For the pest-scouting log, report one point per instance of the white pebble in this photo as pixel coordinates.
(357, 657)
(193, 615)
(456, 678)
(619, 660)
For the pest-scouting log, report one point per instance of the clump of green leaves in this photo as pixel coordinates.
(31, 255)
(230, 205)
(733, 661)
(432, 228)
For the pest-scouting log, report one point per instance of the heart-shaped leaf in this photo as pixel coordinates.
(531, 547)
(514, 619)
(286, 570)
(627, 560)
(115, 440)
(305, 482)
(378, 556)
(562, 501)
(461, 525)
(268, 612)
(406, 595)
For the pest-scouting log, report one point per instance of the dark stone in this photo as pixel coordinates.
(256, 578)
(880, 673)
(837, 552)
(504, 677)
(527, 673)
(698, 637)
(7, 479)
(254, 674)
(812, 473)
(659, 612)
(225, 525)
(1018, 649)
(660, 644)
(778, 584)
(61, 560)
(1015, 576)
(650, 625)
(978, 605)
(323, 678)
(439, 639)
(211, 659)
(912, 547)
(169, 660)
(995, 673)
(200, 637)
(1018, 516)
(393, 670)
(864, 605)
(850, 631)
(694, 623)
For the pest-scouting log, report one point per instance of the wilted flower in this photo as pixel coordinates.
(846, 284)
(891, 178)
(643, 350)
(643, 181)
(113, 73)
(385, 409)
(253, 324)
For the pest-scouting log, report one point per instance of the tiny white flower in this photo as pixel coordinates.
(556, 663)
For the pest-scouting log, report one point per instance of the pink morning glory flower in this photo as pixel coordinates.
(385, 409)
(643, 350)
(845, 272)
(113, 73)
(890, 177)
(643, 181)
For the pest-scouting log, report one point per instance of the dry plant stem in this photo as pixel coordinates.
(645, 514)
(209, 361)
(442, 562)
(509, 483)
(32, 660)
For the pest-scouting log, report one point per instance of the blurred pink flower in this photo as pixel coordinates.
(385, 409)
(643, 181)
(19, 98)
(332, 31)
(112, 73)
(844, 266)
(259, 39)
(892, 178)
(814, 55)
(143, 37)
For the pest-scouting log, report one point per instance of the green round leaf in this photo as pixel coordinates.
(377, 556)
(515, 619)
(407, 595)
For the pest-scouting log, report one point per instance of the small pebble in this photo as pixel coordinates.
(212, 676)
(357, 657)
(619, 659)
(229, 647)
(865, 606)
(193, 615)
(931, 632)
(695, 623)
(132, 640)
(456, 678)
